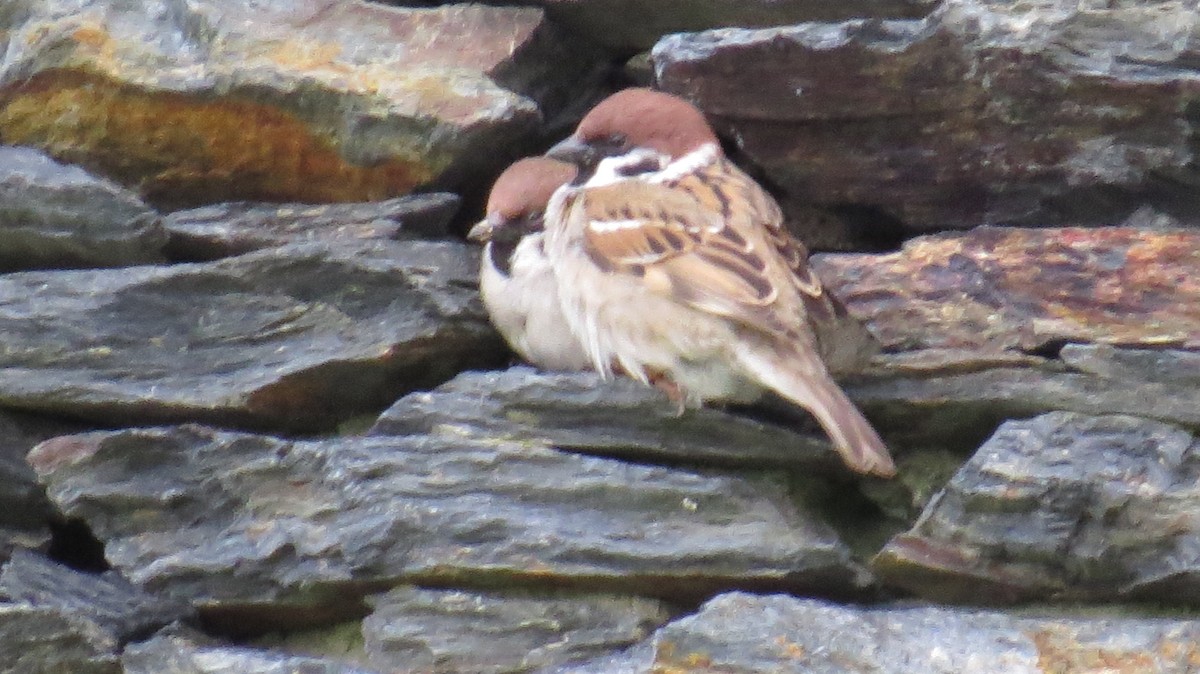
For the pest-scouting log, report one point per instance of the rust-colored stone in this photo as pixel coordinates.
(997, 289)
(169, 143)
(285, 100)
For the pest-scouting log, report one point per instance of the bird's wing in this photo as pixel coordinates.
(711, 238)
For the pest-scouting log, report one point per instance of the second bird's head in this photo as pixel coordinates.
(517, 203)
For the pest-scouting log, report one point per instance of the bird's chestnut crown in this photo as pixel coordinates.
(644, 118)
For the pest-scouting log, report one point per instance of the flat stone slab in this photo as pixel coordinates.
(414, 630)
(964, 397)
(224, 230)
(284, 100)
(174, 654)
(996, 289)
(1063, 506)
(114, 608)
(48, 639)
(580, 412)
(297, 338)
(25, 513)
(630, 26)
(748, 633)
(54, 215)
(263, 532)
(925, 124)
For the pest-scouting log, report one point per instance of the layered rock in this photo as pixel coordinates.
(223, 230)
(628, 26)
(580, 412)
(295, 338)
(1051, 112)
(54, 215)
(1063, 506)
(262, 533)
(344, 101)
(745, 633)
(1028, 290)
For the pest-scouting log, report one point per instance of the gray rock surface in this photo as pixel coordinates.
(580, 412)
(114, 608)
(1002, 289)
(42, 640)
(414, 630)
(55, 215)
(25, 513)
(261, 532)
(627, 26)
(1063, 506)
(740, 634)
(929, 122)
(171, 654)
(283, 100)
(952, 407)
(223, 230)
(296, 338)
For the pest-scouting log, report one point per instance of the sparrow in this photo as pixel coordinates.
(516, 281)
(675, 267)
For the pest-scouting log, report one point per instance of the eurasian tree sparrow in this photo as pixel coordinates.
(674, 267)
(515, 279)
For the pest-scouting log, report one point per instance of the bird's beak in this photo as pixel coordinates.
(574, 151)
(485, 228)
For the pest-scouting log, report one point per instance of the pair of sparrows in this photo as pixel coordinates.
(636, 246)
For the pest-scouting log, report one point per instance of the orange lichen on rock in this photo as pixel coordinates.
(183, 148)
(1021, 289)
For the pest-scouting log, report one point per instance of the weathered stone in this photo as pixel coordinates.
(994, 289)
(958, 409)
(171, 654)
(414, 630)
(116, 609)
(46, 640)
(24, 511)
(53, 215)
(294, 338)
(223, 230)
(260, 532)
(1045, 112)
(1061, 506)
(580, 412)
(281, 100)
(633, 25)
(1143, 365)
(741, 633)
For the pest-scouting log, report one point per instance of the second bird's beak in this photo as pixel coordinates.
(483, 230)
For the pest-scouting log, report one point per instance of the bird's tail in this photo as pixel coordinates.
(801, 377)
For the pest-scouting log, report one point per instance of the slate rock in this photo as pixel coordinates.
(297, 338)
(54, 215)
(581, 412)
(116, 608)
(745, 633)
(47, 640)
(25, 513)
(1040, 113)
(1067, 506)
(997, 289)
(282, 100)
(960, 408)
(628, 26)
(224, 230)
(172, 654)
(261, 532)
(417, 630)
